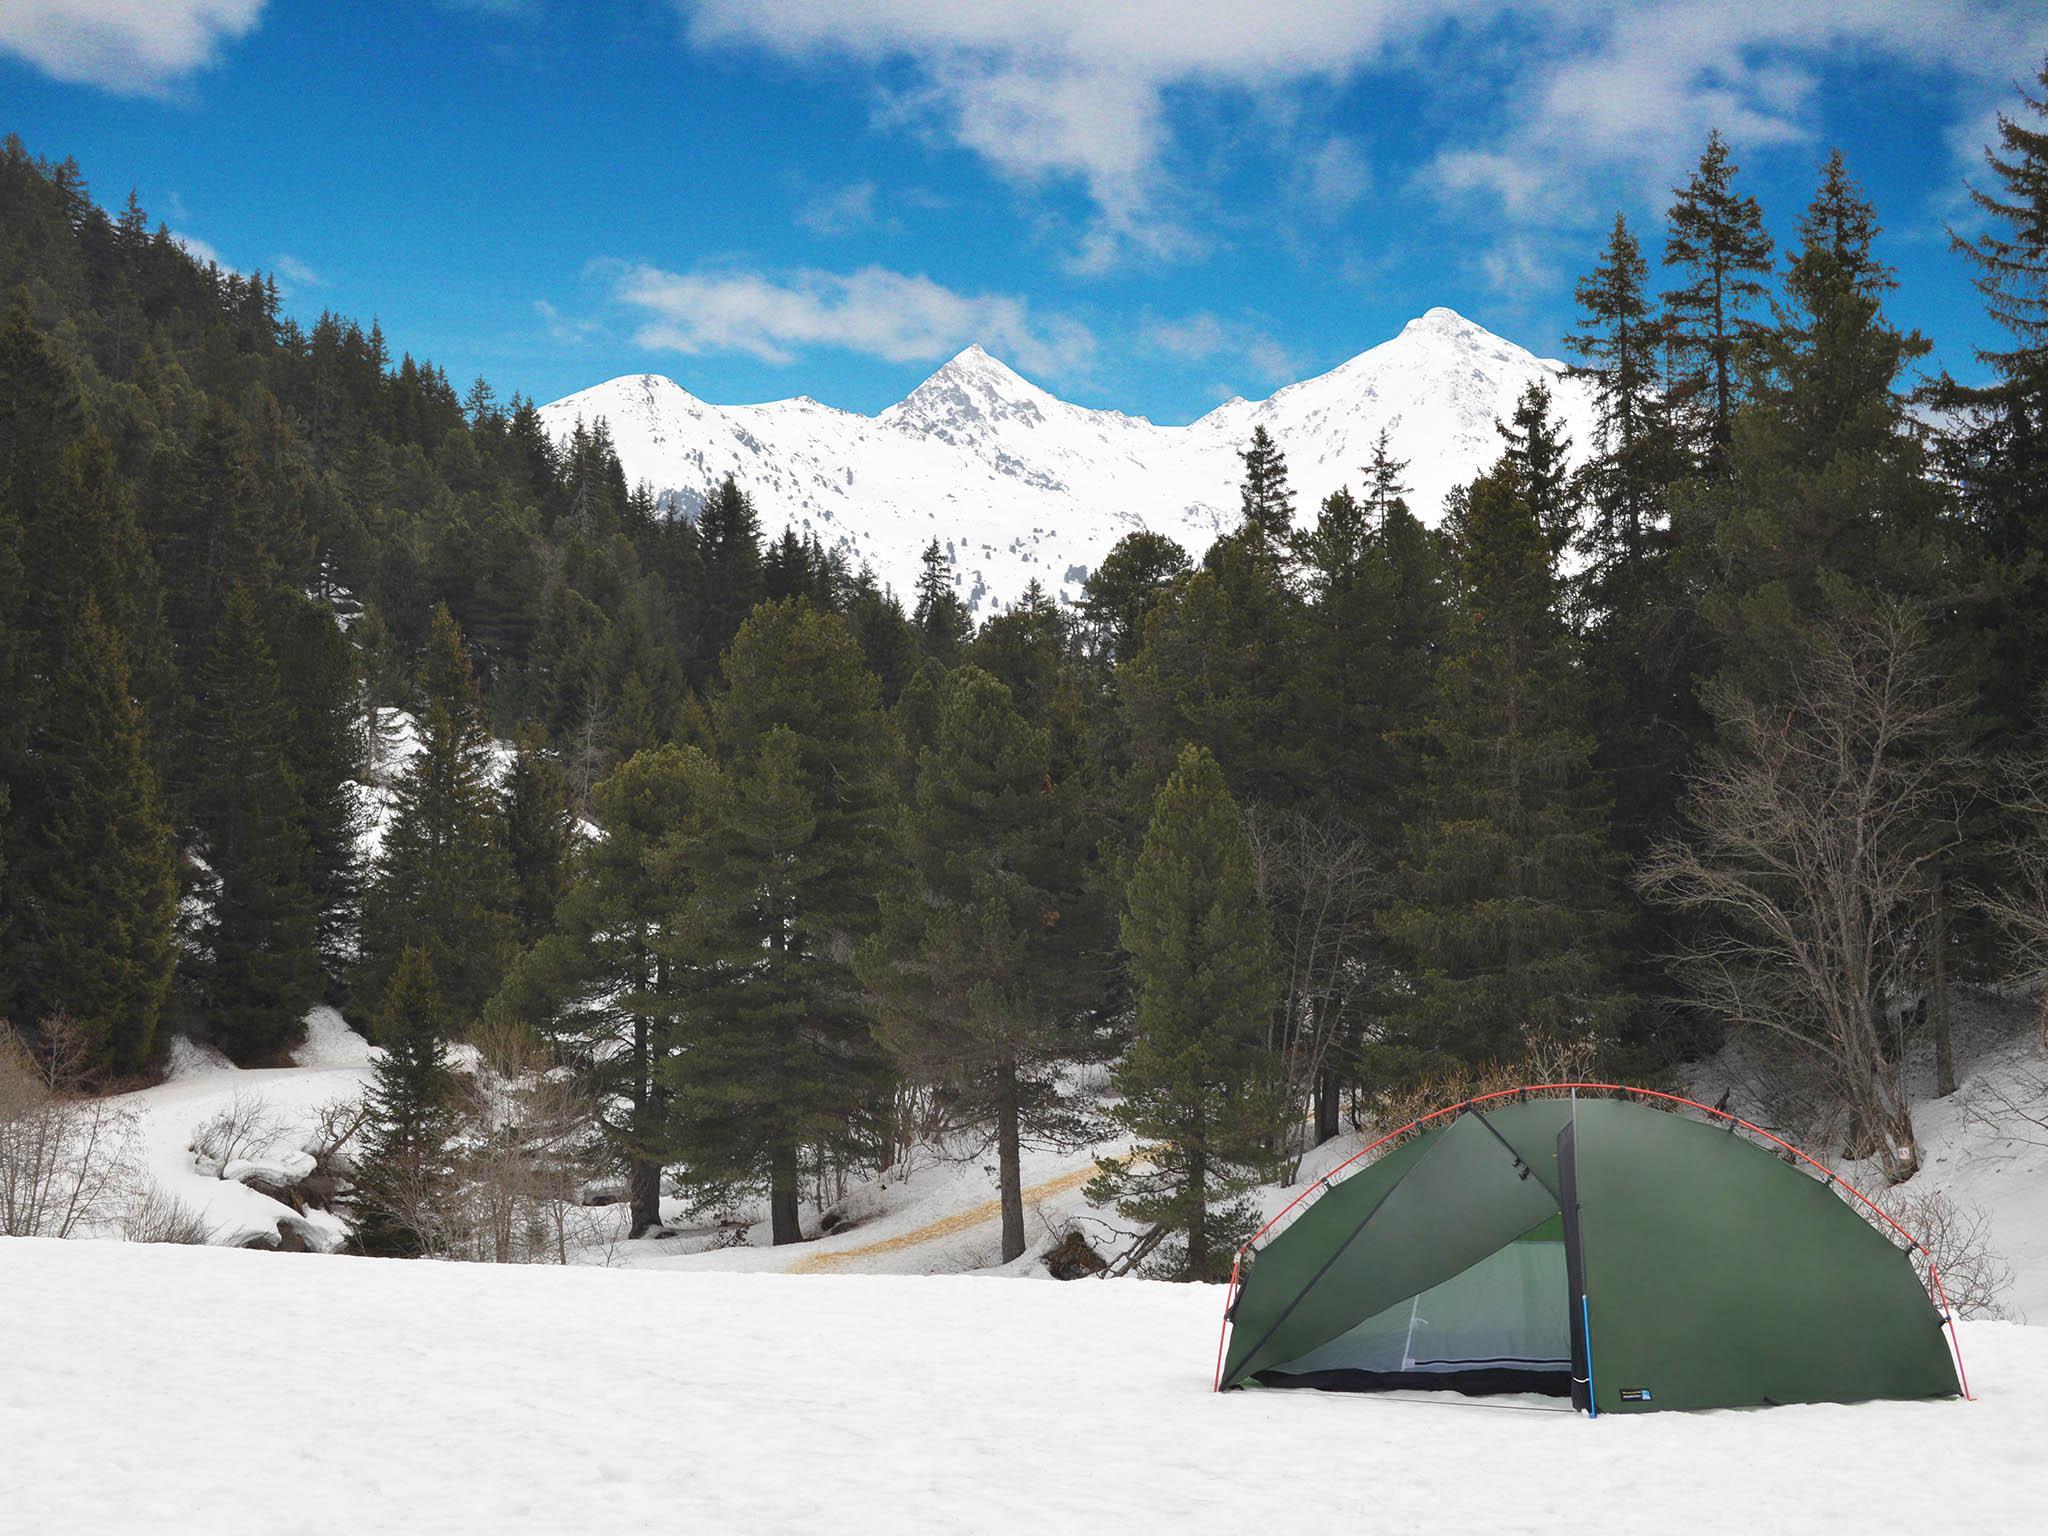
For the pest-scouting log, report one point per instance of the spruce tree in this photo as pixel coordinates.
(941, 618)
(1716, 238)
(404, 1168)
(325, 750)
(1266, 499)
(779, 1058)
(981, 961)
(1510, 915)
(1120, 592)
(94, 942)
(1197, 1089)
(729, 558)
(611, 982)
(443, 882)
(259, 961)
(1996, 451)
(540, 833)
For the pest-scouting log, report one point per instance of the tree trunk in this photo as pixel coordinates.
(643, 1181)
(1944, 1044)
(782, 1194)
(1198, 1215)
(1328, 1092)
(1010, 1173)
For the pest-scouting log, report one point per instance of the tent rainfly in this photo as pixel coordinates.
(1592, 1248)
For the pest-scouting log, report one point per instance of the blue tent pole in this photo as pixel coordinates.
(1586, 1331)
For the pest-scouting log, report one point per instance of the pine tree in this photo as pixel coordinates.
(405, 1164)
(980, 963)
(540, 833)
(258, 942)
(443, 883)
(779, 1058)
(729, 545)
(611, 982)
(1635, 456)
(1120, 592)
(1538, 454)
(1511, 912)
(1267, 500)
(1383, 485)
(325, 749)
(95, 941)
(940, 616)
(1197, 1086)
(1996, 454)
(1716, 237)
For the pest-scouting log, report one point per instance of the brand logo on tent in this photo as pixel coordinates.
(1635, 1394)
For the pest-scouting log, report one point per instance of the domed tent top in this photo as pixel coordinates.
(1599, 1248)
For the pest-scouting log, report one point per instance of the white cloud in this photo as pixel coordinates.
(1082, 90)
(850, 208)
(1208, 337)
(567, 329)
(201, 251)
(298, 274)
(137, 47)
(898, 317)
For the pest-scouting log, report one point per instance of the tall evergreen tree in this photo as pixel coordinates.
(779, 1058)
(258, 966)
(1197, 1088)
(1716, 238)
(981, 961)
(1510, 917)
(1120, 592)
(540, 833)
(443, 883)
(941, 618)
(611, 982)
(404, 1166)
(325, 749)
(1267, 499)
(729, 554)
(94, 940)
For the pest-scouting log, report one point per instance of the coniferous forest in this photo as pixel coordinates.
(329, 681)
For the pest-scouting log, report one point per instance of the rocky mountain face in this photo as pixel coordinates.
(1017, 484)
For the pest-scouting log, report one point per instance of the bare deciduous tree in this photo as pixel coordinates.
(67, 1159)
(1816, 823)
(2019, 904)
(1320, 878)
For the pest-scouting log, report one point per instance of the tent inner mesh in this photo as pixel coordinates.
(1503, 1325)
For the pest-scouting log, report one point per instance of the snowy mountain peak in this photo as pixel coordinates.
(1019, 485)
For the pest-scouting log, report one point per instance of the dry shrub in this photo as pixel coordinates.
(246, 1127)
(159, 1217)
(67, 1159)
(1973, 1275)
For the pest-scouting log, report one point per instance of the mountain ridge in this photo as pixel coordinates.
(1017, 484)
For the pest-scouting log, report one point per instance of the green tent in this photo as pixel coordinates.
(1626, 1257)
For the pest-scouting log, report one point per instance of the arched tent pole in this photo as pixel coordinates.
(1937, 1292)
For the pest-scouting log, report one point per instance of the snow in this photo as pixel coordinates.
(1017, 484)
(430, 1398)
(333, 1064)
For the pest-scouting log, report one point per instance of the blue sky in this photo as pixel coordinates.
(1149, 205)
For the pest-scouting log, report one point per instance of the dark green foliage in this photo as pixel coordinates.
(982, 960)
(1267, 501)
(1198, 1086)
(258, 964)
(1119, 594)
(779, 1058)
(611, 982)
(1717, 241)
(444, 882)
(941, 618)
(92, 938)
(729, 545)
(1510, 923)
(540, 833)
(405, 1160)
(324, 749)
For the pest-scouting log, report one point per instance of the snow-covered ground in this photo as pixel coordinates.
(182, 1389)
